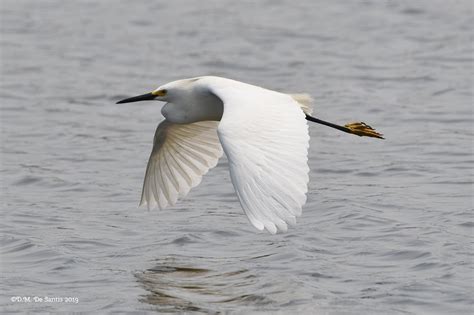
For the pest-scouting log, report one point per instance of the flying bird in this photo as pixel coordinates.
(263, 133)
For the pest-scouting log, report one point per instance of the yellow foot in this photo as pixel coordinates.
(362, 129)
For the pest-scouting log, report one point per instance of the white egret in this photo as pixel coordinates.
(263, 133)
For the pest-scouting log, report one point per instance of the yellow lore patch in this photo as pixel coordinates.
(159, 93)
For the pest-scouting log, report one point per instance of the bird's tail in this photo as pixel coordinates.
(305, 101)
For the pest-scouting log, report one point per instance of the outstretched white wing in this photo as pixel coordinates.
(181, 155)
(265, 137)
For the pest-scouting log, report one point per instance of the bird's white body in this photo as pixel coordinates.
(192, 100)
(263, 133)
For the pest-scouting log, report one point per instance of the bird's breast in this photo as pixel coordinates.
(175, 113)
(200, 109)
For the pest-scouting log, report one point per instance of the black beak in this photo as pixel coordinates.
(144, 97)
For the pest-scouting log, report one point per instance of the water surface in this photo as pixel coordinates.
(388, 227)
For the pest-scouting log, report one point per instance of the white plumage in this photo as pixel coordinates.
(265, 139)
(181, 155)
(263, 133)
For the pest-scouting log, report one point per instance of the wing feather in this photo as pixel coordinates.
(265, 137)
(181, 155)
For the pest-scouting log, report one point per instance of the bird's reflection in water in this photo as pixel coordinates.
(176, 285)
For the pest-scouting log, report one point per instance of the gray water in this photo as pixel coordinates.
(388, 226)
